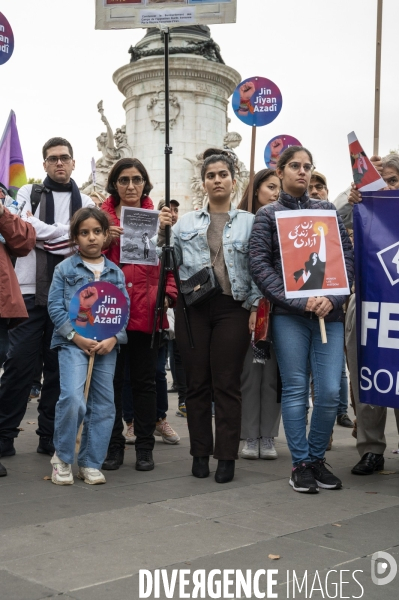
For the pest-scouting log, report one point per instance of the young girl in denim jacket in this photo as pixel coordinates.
(88, 230)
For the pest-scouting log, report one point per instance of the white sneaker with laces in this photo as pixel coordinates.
(267, 449)
(91, 476)
(62, 471)
(130, 438)
(251, 449)
(169, 435)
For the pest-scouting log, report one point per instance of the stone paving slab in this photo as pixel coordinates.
(89, 542)
(13, 587)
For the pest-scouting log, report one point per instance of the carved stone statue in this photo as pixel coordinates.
(156, 111)
(112, 147)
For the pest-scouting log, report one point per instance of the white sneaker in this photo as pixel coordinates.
(91, 476)
(251, 449)
(169, 435)
(62, 471)
(130, 438)
(267, 449)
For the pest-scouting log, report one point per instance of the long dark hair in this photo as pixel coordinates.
(259, 178)
(121, 165)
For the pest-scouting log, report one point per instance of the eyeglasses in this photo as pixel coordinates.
(296, 166)
(53, 160)
(317, 186)
(136, 180)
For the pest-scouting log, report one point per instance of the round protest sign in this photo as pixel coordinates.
(257, 101)
(6, 40)
(276, 146)
(98, 310)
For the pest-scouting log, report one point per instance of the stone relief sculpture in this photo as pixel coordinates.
(231, 141)
(112, 147)
(156, 110)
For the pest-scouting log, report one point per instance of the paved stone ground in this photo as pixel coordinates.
(89, 543)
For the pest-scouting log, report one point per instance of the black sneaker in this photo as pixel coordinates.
(3, 470)
(324, 477)
(144, 460)
(302, 479)
(114, 460)
(46, 446)
(7, 447)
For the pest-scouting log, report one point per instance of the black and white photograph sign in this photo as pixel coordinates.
(139, 226)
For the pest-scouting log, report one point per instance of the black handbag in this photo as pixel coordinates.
(201, 286)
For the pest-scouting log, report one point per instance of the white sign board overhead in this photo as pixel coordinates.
(129, 14)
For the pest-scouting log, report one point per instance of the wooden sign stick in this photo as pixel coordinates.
(86, 395)
(377, 80)
(323, 330)
(252, 169)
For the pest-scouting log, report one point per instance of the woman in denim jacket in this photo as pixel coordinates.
(89, 229)
(216, 235)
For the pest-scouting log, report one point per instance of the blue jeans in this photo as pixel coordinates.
(297, 341)
(343, 392)
(71, 408)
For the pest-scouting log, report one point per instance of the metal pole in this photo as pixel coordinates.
(168, 149)
(252, 169)
(378, 80)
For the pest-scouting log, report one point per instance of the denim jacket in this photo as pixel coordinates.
(189, 238)
(70, 275)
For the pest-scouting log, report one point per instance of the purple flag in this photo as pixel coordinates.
(12, 168)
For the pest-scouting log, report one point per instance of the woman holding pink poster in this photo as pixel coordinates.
(295, 324)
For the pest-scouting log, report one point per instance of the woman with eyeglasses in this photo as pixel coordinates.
(129, 185)
(296, 332)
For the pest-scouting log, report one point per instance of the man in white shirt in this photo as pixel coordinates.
(59, 200)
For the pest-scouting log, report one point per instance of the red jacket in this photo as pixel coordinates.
(20, 239)
(141, 280)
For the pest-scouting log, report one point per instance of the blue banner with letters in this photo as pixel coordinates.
(376, 235)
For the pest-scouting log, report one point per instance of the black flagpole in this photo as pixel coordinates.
(168, 261)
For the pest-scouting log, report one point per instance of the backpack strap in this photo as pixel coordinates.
(35, 195)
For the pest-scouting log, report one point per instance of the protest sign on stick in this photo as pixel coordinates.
(376, 231)
(311, 255)
(98, 311)
(276, 146)
(256, 101)
(365, 175)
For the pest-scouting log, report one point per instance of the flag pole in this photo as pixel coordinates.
(252, 168)
(377, 80)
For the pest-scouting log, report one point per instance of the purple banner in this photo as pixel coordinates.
(12, 168)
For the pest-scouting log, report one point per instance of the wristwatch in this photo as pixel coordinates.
(71, 335)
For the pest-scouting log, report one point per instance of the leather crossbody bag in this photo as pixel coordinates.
(201, 286)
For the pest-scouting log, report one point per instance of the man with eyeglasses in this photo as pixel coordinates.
(60, 198)
(318, 189)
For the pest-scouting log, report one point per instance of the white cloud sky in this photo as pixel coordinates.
(321, 53)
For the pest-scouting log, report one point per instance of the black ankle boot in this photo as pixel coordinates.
(200, 467)
(225, 471)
